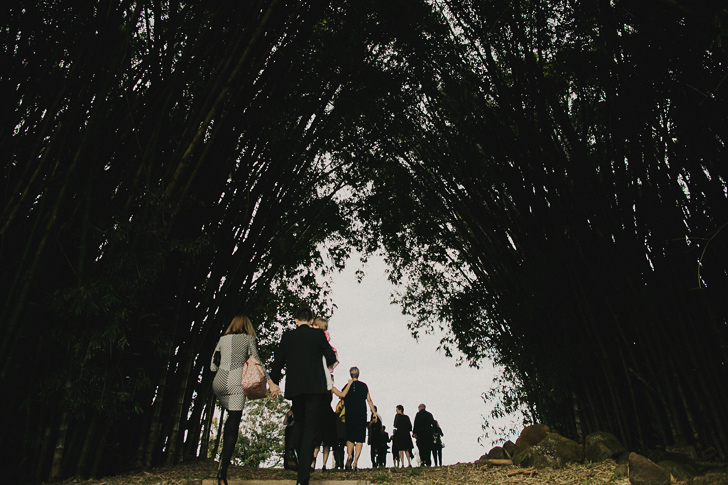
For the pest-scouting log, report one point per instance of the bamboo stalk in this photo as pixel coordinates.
(57, 463)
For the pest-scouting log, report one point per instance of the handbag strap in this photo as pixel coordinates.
(250, 349)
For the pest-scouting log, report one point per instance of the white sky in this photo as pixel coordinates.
(370, 333)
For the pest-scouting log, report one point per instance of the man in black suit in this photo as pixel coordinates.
(300, 352)
(422, 431)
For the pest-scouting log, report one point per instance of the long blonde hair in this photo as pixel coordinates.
(240, 324)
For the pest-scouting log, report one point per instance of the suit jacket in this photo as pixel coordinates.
(423, 424)
(300, 352)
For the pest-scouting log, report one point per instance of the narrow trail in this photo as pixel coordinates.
(203, 473)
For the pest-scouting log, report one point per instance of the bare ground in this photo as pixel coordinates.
(461, 473)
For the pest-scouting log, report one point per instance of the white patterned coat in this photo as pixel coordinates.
(234, 351)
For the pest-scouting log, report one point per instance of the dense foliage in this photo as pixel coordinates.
(563, 203)
(261, 438)
(547, 179)
(164, 168)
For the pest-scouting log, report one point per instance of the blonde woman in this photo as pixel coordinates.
(235, 346)
(356, 397)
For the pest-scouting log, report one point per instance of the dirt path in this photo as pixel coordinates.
(463, 474)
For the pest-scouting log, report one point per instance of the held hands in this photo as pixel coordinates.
(274, 389)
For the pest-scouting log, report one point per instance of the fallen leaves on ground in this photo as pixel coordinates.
(461, 473)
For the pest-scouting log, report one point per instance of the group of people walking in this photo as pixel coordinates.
(335, 439)
(426, 431)
(341, 431)
(309, 359)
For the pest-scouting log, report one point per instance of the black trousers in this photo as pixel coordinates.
(373, 453)
(424, 445)
(382, 455)
(437, 454)
(339, 452)
(308, 410)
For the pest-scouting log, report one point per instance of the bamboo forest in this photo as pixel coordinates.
(547, 181)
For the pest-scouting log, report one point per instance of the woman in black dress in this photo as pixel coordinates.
(402, 436)
(356, 397)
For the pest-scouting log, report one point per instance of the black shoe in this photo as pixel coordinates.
(292, 460)
(222, 476)
(348, 463)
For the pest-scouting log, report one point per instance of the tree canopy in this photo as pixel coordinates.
(547, 181)
(563, 206)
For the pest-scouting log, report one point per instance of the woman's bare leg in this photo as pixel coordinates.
(326, 455)
(349, 454)
(358, 452)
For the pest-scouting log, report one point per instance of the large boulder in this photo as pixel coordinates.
(569, 449)
(687, 452)
(539, 458)
(530, 436)
(510, 448)
(497, 453)
(554, 451)
(680, 454)
(645, 472)
(602, 446)
(482, 461)
(681, 471)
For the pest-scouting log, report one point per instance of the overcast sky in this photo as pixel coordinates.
(371, 334)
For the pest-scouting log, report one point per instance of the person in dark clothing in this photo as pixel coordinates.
(300, 351)
(288, 421)
(395, 450)
(326, 437)
(402, 437)
(356, 397)
(422, 432)
(383, 447)
(437, 435)
(340, 434)
(375, 435)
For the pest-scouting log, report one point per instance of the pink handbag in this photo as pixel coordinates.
(253, 381)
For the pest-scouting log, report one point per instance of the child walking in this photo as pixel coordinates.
(323, 324)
